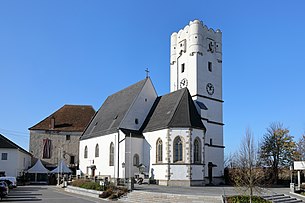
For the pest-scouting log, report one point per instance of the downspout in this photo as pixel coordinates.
(180, 54)
(168, 158)
(118, 171)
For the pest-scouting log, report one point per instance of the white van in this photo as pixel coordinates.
(10, 178)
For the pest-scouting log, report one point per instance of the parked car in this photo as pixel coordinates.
(9, 183)
(10, 178)
(3, 189)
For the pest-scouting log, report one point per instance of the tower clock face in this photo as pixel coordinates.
(210, 89)
(183, 83)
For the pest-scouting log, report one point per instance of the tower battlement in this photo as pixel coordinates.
(195, 38)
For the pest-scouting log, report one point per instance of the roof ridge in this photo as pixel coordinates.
(14, 144)
(128, 87)
(85, 105)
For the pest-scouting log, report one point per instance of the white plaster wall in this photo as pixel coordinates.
(14, 165)
(101, 162)
(190, 46)
(179, 172)
(158, 171)
(197, 172)
(184, 133)
(214, 155)
(23, 163)
(136, 148)
(140, 108)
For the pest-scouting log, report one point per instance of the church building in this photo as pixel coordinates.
(177, 138)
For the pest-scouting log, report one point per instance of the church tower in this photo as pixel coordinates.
(196, 63)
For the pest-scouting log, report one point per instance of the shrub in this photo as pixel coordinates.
(106, 193)
(86, 184)
(114, 192)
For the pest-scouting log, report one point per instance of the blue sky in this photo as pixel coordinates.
(78, 52)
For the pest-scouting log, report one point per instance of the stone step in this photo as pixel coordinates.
(275, 195)
(281, 198)
(294, 201)
(278, 197)
(284, 199)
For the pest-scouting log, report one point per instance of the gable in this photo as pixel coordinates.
(8, 144)
(119, 109)
(140, 108)
(175, 109)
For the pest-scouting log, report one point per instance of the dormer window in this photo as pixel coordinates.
(136, 121)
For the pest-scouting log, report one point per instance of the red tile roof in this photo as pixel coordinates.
(69, 118)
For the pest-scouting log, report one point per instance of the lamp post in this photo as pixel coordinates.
(59, 153)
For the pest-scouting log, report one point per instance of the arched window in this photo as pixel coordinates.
(178, 149)
(86, 152)
(136, 160)
(97, 151)
(197, 151)
(159, 151)
(111, 154)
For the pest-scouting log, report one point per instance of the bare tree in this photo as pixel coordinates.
(301, 149)
(245, 174)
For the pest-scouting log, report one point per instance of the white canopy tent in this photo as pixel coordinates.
(62, 168)
(39, 168)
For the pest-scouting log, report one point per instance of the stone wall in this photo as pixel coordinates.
(61, 146)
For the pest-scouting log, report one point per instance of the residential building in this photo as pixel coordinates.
(14, 160)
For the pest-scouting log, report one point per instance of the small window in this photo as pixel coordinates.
(159, 151)
(210, 66)
(68, 137)
(72, 159)
(182, 67)
(197, 151)
(4, 156)
(211, 141)
(97, 150)
(145, 99)
(111, 154)
(86, 152)
(136, 160)
(136, 121)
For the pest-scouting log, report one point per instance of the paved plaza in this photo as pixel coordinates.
(46, 194)
(142, 193)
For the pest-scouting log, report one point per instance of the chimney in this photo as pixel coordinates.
(52, 123)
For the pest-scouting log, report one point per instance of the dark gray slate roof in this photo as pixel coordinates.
(6, 143)
(175, 109)
(109, 117)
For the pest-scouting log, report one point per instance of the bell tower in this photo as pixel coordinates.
(196, 63)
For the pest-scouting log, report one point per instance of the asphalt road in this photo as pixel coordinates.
(46, 194)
